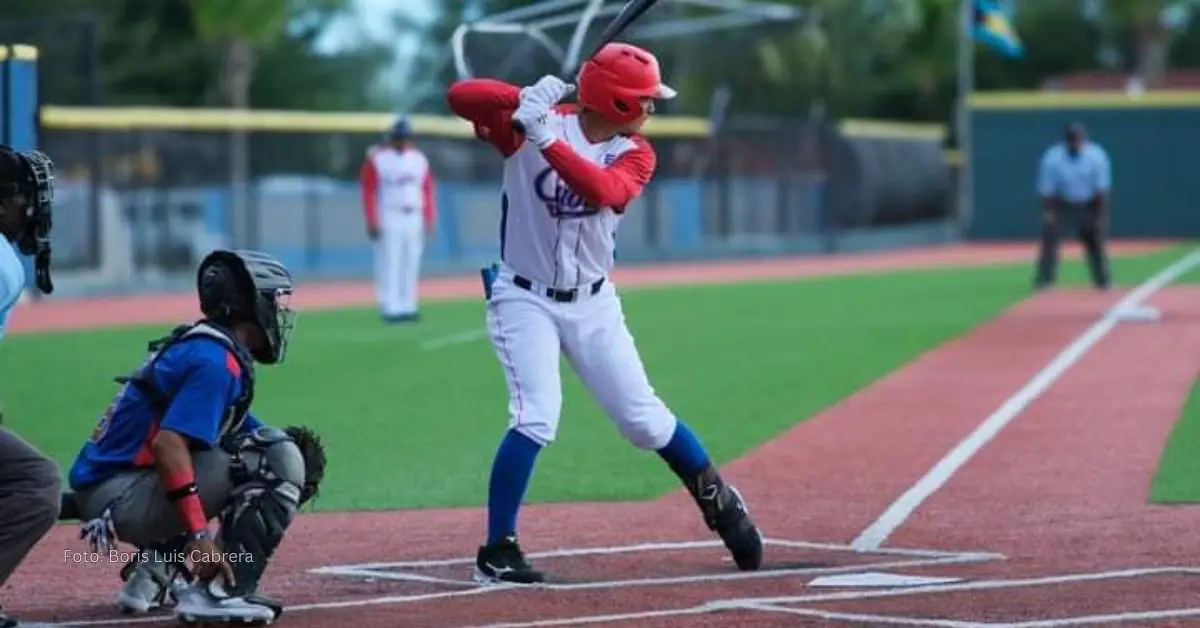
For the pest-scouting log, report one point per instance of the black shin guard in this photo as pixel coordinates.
(268, 471)
(251, 529)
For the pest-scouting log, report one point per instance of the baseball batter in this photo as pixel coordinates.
(178, 447)
(400, 208)
(29, 481)
(568, 179)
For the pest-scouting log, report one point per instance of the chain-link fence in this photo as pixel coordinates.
(166, 194)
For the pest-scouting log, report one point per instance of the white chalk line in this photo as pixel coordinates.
(896, 514)
(402, 571)
(601, 619)
(666, 580)
(775, 604)
(664, 546)
(1062, 622)
(978, 585)
(872, 620)
(1092, 620)
(450, 340)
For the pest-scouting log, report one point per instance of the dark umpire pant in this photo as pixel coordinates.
(30, 496)
(1089, 221)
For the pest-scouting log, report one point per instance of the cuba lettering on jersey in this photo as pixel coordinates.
(552, 234)
(207, 390)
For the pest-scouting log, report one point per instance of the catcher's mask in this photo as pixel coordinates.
(31, 173)
(249, 287)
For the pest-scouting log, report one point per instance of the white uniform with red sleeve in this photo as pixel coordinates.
(552, 290)
(398, 202)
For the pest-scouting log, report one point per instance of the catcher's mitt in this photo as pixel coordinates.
(313, 451)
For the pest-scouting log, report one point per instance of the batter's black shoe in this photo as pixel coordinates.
(503, 561)
(725, 512)
(6, 621)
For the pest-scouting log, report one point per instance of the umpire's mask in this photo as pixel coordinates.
(32, 177)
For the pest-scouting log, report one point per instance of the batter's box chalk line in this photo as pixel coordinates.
(888, 558)
(794, 605)
(784, 605)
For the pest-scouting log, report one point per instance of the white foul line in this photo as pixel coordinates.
(460, 338)
(896, 514)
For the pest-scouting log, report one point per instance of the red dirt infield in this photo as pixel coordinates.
(1048, 521)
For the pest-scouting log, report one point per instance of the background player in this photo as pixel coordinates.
(178, 447)
(29, 482)
(567, 181)
(399, 202)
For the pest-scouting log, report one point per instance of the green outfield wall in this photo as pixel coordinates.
(1152, 141)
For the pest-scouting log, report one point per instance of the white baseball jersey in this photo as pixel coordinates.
(396, 180)
(560, 207)
(12, 281)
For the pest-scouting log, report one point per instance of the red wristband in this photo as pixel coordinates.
(191, 510)
(181, 490)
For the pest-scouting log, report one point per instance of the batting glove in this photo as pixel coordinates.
(546, 92)
(536, 121)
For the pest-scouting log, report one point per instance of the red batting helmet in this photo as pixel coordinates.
(616, 77)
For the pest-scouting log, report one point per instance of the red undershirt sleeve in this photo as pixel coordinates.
(368, 178)
(616, 186)
(488, 105)
(430, 199)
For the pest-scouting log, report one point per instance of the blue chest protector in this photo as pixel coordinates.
(160, 400)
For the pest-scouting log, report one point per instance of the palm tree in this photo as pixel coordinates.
(1152, 35)
(240, 29)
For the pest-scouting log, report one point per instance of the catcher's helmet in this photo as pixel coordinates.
(31, 173)
(249, 287)
(615, 78)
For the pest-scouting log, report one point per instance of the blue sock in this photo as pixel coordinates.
(511, 471)
(684, 453)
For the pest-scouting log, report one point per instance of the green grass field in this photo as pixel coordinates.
(409, 427)
(1178, 477)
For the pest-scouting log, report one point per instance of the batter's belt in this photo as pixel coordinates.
(567, 295)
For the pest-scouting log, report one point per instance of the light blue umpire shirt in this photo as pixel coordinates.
(12, 281)
(1074, 179)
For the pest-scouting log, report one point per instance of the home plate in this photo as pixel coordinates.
(878, 579)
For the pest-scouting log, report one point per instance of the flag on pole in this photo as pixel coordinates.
(993, 26)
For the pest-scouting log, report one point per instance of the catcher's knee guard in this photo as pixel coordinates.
(268, 476)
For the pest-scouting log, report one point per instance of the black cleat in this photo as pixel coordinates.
(725, 513)
(742, 538)
(8, 622)
(503, 561)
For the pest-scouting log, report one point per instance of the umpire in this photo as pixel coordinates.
(1074, 180)
(30, 488)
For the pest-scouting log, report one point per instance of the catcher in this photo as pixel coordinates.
(179, 447)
